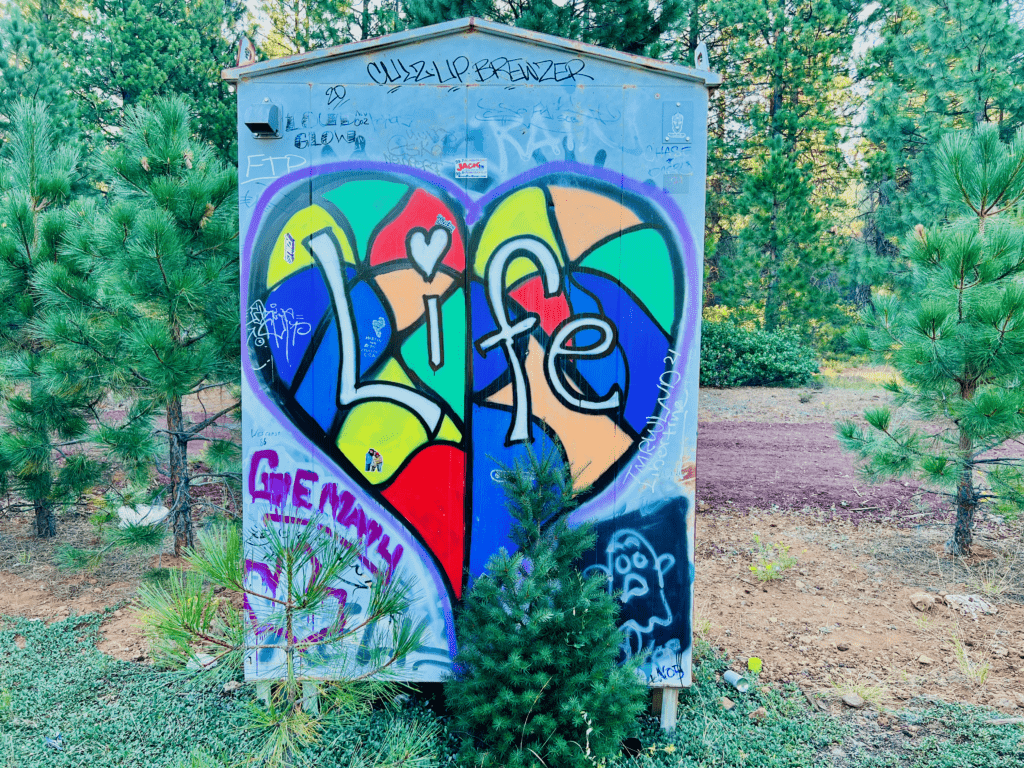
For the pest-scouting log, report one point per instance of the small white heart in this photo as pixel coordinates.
(426, 252)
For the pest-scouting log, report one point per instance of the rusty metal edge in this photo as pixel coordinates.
(709, 79)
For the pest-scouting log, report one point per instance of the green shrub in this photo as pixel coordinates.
(736, 356)
(537, 680)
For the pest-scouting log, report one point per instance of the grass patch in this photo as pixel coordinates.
(789, 736)
(975, 670)
(952, 736)
(992, 580)
(113, 714)
(854, 374)
(107, 712)
(922, 622)
(875, 695)
(771, 561)
(157, 575)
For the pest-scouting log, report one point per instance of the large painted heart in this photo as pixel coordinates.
(425, 340)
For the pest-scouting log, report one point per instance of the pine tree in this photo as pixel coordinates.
(31, 70)
(632, 26)
(48, 405)
(297, 26)
(537, 675)
(422, 13)
(939, 66)
(957, 339)
(121, 53)
(784, 258)
(159, 318)
(710, 22)
(333, 656)
(170, 244)
(786, 164)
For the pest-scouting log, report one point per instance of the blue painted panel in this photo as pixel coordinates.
(295, 308)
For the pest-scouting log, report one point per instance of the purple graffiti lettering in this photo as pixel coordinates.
(373, 530)
(278, 484)
(391, 558)
(301, 492)
(257, 457)
(339, 504)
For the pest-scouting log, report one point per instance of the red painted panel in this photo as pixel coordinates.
(429, 494)
(552, 309)
(421, 212)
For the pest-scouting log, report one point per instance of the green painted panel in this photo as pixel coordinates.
(448, 381)
(640, 261)
(364, 204)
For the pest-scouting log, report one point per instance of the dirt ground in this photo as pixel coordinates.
(777, 448)
(840, 620)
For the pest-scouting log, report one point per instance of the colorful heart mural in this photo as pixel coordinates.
(425, 341)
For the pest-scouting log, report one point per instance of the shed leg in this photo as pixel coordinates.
(311, 698)
(669, 701)
(263, 691)
(656, 701)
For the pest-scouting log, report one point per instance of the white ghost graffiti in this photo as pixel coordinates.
(637, 572)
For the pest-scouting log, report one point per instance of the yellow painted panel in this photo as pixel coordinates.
(523, 213)
(449, 431)
(393, 372)
(300, 226)
(519, 268)
(381, 426)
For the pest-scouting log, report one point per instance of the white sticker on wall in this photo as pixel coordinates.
(289, 248)
(470, 169)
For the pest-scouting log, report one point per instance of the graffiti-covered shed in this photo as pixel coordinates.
(458, 244)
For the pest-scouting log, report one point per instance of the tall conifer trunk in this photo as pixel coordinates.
(966, 502)
(181, 498)
(46, 521)
(772, 300)
(772, 304)
(966, 493)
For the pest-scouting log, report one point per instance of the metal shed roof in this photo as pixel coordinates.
(470, 26)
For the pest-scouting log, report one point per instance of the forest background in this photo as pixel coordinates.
(828, 115)
(821, 147)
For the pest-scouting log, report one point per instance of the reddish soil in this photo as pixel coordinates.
(763, 448)
(770, 465)
(763, 466)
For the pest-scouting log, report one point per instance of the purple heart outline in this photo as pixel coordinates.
(603, 503)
